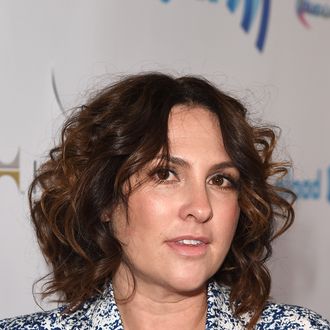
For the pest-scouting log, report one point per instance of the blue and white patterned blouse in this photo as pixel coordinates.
(102, 313)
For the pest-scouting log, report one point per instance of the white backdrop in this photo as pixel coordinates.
(87, 43)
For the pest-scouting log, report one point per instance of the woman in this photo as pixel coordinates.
(156, 211)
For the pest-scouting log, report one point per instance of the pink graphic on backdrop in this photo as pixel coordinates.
(314, 8)
(303, 20)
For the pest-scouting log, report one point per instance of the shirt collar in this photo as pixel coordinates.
(105, 314)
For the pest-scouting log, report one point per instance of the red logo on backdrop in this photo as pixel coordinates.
(315, 8)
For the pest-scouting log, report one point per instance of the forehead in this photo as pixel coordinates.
(195, 130)
(187, 120)
(184, 116)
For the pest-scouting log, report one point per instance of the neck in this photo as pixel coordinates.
(144, 305)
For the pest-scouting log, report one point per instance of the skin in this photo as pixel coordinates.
(195, 196)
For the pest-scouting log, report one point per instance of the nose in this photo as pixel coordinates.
(196, 204)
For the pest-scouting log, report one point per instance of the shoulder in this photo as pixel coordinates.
(42, 320)
(281, 316)
(99, 312)
(51, 320)
(274, 316)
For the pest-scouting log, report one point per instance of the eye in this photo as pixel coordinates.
(164, 175)
(223, 181)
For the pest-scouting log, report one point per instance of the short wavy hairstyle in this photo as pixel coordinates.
(113, 136)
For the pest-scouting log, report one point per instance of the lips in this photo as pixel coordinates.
(189, 245)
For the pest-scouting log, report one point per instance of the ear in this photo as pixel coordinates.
(106, 216)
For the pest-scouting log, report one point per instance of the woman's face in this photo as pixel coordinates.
(182, 220)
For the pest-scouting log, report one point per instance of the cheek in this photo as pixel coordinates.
(147, 213)
(226, 205)
(233, 213)
(232, 225)
(227, 215)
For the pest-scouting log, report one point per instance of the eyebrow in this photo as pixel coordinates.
(183, 163)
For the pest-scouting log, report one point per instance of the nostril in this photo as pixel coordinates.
(196, 204)
(199, 213)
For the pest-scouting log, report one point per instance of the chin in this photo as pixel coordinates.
(189, 284)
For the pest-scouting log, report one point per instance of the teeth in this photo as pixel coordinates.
(190, 242)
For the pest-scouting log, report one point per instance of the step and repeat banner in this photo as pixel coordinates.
(272, 54)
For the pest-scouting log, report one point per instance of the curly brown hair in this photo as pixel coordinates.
(115, 135)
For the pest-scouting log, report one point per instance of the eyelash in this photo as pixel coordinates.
(233, 182)
(154, 173)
